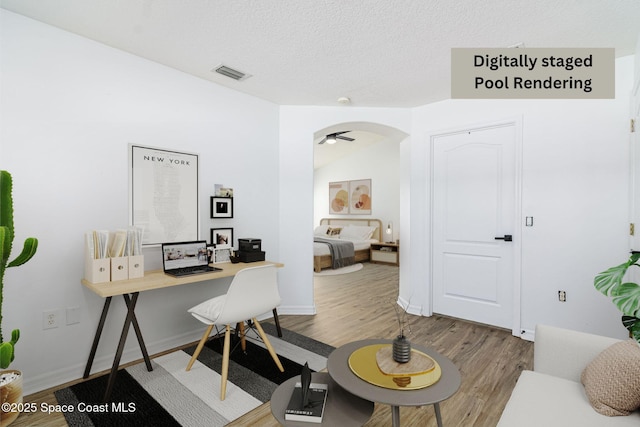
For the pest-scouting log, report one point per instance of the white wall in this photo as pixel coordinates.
(575, 185)
(69, 109)
(381, 163)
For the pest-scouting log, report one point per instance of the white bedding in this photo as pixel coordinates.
(320, 249)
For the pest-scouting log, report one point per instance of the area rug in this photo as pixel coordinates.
(170, 396)
(344, 270)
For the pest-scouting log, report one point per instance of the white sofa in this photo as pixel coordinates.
(552, 394)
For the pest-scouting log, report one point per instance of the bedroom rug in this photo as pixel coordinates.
(171, 396)
(344, 270)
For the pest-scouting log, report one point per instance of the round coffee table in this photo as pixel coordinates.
(447, 385)
(342, 408)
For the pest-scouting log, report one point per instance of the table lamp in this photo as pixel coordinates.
(389, 233)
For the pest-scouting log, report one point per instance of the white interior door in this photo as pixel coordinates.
(635, 152)
(474, 224)
(634, 141)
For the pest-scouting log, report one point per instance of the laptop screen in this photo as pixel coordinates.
(184, 254)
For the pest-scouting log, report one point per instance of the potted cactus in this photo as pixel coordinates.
(10, 380)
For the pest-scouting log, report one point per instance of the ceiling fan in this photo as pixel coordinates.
(332, 138)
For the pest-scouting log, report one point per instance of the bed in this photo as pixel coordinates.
(321, 253)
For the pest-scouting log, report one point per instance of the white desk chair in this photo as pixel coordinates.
(253, 291)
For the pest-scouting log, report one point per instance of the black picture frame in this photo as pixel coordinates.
(221, 207)
(222, 237)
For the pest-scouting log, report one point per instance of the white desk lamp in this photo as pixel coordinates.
(389, 233)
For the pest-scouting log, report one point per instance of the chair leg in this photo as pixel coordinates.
(199, 348)
(272, 352)
(243, 341)
(225, 362)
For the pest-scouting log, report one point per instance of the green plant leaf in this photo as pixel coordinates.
(28, 251)
(6, 354)
(627, 298)
(6, 202)
(607, 281)
(15, 336)
(3, 238)
(633, 325)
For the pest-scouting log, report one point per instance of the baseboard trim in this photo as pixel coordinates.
(104, 362)
(528, 335)
(297, 309)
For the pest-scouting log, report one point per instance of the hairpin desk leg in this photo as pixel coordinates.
(131, 305)
(275, 319)
(96, 339)
(136, 328)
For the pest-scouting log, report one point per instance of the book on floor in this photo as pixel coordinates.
(314, 410)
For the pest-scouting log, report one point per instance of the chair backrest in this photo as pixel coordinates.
(253, 291)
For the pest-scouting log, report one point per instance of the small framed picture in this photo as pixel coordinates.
(221, 255)
(222, 237)
(221, 207)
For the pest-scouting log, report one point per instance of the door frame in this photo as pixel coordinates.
(515, 121)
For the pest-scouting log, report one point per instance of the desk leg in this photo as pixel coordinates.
(395, 416)
(123, 338)
(136, 328)
(436, 406)
(96, 339)
(275, 318)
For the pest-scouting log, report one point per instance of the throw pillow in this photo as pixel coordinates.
(320, 230)
(612, 380)
(334, 231)
(357, 232)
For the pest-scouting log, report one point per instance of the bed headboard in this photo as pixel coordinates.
(341, 222)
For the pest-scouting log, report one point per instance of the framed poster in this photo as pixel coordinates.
(222, 237)
(222, 207)
(360, 197)
(163, 194)
(339, 197)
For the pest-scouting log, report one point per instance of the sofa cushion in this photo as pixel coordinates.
(544, 400)
(612, 380)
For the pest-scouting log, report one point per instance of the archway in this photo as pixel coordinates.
(377, 157)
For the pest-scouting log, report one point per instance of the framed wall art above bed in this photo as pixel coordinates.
(360, 197)
(350, 197)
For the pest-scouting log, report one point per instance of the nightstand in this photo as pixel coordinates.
(385, 253)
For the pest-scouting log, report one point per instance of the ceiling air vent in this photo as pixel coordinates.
(231, 73)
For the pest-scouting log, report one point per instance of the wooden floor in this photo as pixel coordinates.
(361, 305)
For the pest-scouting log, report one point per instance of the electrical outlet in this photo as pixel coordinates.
(562, 296)
(50, 319)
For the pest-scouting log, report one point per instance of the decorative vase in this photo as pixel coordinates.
(10, 393)
(401, 349)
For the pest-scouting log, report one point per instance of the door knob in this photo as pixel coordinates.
(506, 238)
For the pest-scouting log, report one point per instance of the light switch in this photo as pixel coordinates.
(529, 221)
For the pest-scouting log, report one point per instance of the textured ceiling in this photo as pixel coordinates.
(379, 53)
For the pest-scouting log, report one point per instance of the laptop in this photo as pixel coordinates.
(186, 258)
